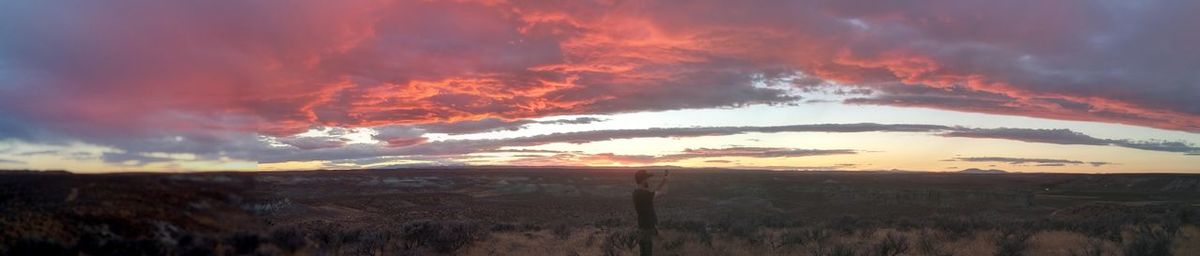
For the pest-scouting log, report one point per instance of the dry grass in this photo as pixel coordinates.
(594, 241)
(1188, 240)
(536, 213)
(1070, 244)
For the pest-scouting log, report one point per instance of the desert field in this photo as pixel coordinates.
(558, 211)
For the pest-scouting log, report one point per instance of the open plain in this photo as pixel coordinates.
(588, 211)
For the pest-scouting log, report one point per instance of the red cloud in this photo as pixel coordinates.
(98, 70)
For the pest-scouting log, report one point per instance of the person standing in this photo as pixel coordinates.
(643, 203)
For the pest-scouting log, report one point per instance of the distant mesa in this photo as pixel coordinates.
(983, 171)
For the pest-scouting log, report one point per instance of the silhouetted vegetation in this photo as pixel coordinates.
(891, 245)
(1149, 241)
(706, 213)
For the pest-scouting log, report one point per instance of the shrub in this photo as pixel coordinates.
(609, 223)
(956, 227)
(928, 246)
(371, 243)
(1012, 243)
(125, 247)
(891, 245)
(442, 237)
(36, 246)
(849, 224)
(1149, 241)
(803, 236)
(244, 243)
(698, 228)
(620, 240)
(288, 239)
(1094, 247)
(842, 250)
(561, 231)
(503, 227)
(675, 243)
(191, 245)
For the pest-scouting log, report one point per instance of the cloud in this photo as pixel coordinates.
(135, 159)
(71, 155)
(399, 135)
(307, 143)
(1158, 145)
(1021, 161)
(603, 135)
(758, 152)
(610, 158)
(1054, 136)
(577, 120)
(401, 161)
(962, 98)
(36, 153)
(476, 126)
(92, 72)
(526, 151)
(1069, 137)
(9, 161)
(460, 147)
(496, 124)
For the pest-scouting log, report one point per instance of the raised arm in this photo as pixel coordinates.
(662, 185)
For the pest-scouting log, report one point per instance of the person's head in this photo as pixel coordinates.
(640, 177)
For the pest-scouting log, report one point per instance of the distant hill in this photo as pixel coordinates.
(983, 171)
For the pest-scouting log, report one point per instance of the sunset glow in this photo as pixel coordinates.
(1024, 86)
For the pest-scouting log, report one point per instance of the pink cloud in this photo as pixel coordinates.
(216, 70)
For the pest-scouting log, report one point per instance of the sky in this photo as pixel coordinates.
(1080, 86)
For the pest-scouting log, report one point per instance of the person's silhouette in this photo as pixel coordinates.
(643, 202)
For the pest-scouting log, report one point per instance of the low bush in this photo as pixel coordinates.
(244, 243)
(1012, 242)
(288, 239)
(1149, 241)
(442, 237)
(619, 241)
(891, 245)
